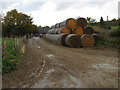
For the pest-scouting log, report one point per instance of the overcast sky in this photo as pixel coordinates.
(50, 12)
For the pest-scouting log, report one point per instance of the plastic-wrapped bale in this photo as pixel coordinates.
(73, 40)
(56, 38)
(70, 23)
(87, 40)
(63, 30)
(57, 25)
(81, 22)
(78, 31)
(88, 30)
(52, 27)
(51, 31)
(96, 37)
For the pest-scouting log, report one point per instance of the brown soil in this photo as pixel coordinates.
(46, 65)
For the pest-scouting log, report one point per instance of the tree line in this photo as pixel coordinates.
(102, 23)
(17, 24)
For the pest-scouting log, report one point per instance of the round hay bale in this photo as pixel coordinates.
(87, 40)
(73, 40)
(96, 37)
(70, 23)
(81, 22)
(78, 31)
(63, 30)
(88, 30)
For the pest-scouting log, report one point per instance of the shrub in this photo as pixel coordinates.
(10, 56)
(115, 33)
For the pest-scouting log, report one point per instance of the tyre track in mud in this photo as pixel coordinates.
(47, 65)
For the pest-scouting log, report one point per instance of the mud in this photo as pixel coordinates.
(47, 65)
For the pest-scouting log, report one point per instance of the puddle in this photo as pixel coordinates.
(43, 83)
(50, 71)
(32, 74)
(41, 69)
(25, 86)
(50, 55)
(35, 37)
(38, 47)
(104, 66)
(77, 81)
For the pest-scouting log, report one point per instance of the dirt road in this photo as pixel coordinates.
(46, 65)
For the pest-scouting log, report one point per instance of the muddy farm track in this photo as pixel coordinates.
(47, 65)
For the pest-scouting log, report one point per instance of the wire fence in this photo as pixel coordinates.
(12, 48)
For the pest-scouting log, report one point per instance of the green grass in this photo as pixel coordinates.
(115, 27)
(10, 56)
(0, 41)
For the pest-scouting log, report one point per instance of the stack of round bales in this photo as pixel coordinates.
(73, 33)
(89, 37)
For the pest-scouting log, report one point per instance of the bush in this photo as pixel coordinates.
(115, 33)
(101, 41)
(10, 56)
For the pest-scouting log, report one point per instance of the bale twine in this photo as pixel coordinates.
(88, 30)
(73, 40)
(63, 30)
(70, 23)
(78, 31)
(81, 22)
(87, 40)
(96, 37)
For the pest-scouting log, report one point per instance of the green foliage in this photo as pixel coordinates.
(17, 24)
(90, 20)
(101, 41)
(119, 21)
(10, 57)
(115, 33)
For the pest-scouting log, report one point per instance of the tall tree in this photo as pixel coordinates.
(17, 24)
(101, 22)
(90, 20)
(119, 21)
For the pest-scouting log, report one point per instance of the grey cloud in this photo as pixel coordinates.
(21, 7)
(65, 5)
(5, 5)
(31, 6)
(98, 4)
